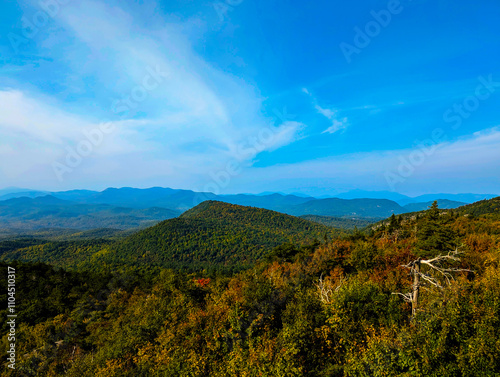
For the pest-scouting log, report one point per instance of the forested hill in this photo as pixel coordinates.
(341, 222)
(484, 208)
(489, 207)
(216, 233)
(332, 309)
(50, 212)
(354, 208)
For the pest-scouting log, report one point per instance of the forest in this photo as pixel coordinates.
(213, 235)
(314, 304)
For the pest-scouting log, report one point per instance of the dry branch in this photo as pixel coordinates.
(434, 266)
(326, 288)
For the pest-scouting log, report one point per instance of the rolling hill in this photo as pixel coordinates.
(378, 208)
(466, 198)
(86, 209)
(489, 207)
(333, 304)
(341, 222)
(183, 200)
(442, 203)
(274, 202)
(403, 200)
(371, 209)
(50, 212)
(216, 233)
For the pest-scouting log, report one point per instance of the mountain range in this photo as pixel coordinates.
(131, 208)
(404, 199)
(211, 235)
(50, 212)
(133, 197)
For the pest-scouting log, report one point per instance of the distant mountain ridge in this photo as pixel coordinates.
(442, 203)
(362, 194)
(404, 199)
(357, 208)
(185, 199)
(50, 212)
(127, 208)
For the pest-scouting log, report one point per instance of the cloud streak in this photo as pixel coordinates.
(192, 121)
(338, 123)
(470, 163)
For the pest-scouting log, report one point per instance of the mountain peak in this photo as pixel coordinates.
(218, 231)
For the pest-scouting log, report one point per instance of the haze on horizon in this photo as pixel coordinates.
(251, 96)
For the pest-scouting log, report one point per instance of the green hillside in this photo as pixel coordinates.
(216, 233)
(335, 207)
(67, 254)
(25, 214)
(489, 207)
(443, 204)
(341, 222)
(331, 309)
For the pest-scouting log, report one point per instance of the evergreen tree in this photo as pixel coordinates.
(393, 224)
(434, 237)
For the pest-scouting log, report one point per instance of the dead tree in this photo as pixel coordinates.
(326, 288)
(437, 276)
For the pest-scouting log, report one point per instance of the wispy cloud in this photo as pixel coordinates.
(105, 54)
(214, 100)
(338, 124)
(329, 113)
(467, 164)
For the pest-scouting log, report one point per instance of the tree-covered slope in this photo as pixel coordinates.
(344, 207)
(443, 204)
(341, 222)
(484, 207)
(332, 309)
(21, 214)
(216, 233)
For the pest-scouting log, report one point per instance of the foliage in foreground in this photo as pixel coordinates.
(323, 310)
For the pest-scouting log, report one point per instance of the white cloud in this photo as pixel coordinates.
(329, 113)
(196, 101)
(38, 121)
(285, 134)
(23, 115)
(337, 126)
(467, 164)
(106, 55)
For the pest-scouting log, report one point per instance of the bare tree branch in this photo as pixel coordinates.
(326, 288)
(408, 297)
(434, 266)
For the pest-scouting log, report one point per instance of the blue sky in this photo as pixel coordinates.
(251, 96)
